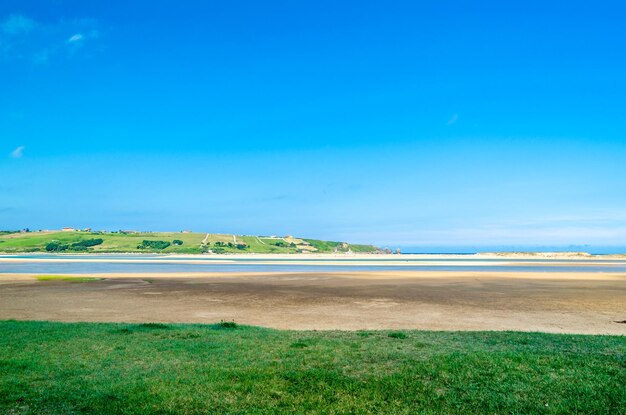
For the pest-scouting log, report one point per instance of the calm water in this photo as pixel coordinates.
(374, 259)
(160, 263)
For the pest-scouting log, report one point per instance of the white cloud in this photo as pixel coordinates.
(18, 152)
(75, 38)
(16, 23)
(453, 119)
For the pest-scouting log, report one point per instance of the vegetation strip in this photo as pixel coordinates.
(165, 242)
(50, 367)
(66, 278)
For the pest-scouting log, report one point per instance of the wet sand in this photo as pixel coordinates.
(550, 302)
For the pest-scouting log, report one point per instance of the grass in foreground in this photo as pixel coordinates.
(225, 368)
(66, 278)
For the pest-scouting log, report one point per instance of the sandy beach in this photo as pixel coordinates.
(547, 256)
(351, 259)
(588, 303)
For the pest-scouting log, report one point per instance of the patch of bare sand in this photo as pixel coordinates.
(551, 302)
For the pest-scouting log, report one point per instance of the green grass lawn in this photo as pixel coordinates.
(57, 368)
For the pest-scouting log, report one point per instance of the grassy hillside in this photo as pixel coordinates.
(188, 369)
(165, 242)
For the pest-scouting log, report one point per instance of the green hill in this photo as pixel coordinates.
(166, 242)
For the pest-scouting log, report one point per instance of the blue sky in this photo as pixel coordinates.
(432, 124)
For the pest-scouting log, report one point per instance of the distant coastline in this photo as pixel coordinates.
(326, 257)
(86, 241)
(70, 241)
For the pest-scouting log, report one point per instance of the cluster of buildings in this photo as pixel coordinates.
(126, 232)
(68, 229)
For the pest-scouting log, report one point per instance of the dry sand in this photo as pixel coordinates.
(329, 258)
(550, 302)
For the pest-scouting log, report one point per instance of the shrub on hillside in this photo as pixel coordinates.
(56, 246)
(177, 242)
(153, 245)
(88, 243)
(227, 325)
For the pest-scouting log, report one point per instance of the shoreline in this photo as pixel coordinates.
(355, 275)
(583, 303)
(351, 255)
(547, 256)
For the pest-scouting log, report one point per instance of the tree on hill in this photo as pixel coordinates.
(56, 246)
(153, 245)
(88, 242)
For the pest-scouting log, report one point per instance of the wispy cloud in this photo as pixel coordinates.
(18, 152)
(75, 38)
(453, 119)
(23, 38)
(17, 23)
(584, 227)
